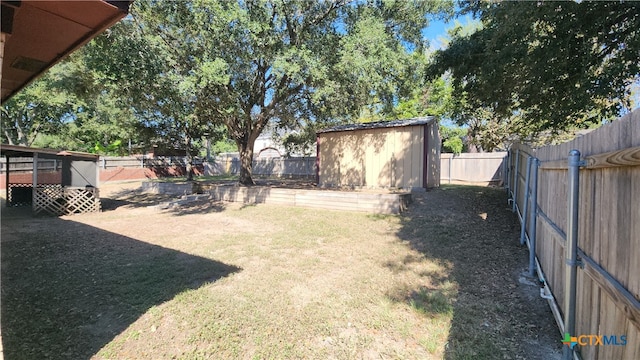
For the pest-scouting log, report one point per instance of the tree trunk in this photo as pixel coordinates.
(246, 163)
(188, 158)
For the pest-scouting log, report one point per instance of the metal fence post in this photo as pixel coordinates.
(571, 248)
(523, 225)
(535, 164)
(507, 172)
(503, 167)
(516, 173)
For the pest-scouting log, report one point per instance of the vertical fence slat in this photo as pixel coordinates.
(534, 216)
(525, 208)
(516, 180)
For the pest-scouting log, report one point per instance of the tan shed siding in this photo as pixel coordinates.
(417, 156)
(404, 161)
(387, 162)
(377, 158)
(370, 162)
(397, 157)
(324, 164)
(352, 166)
(377, 167)
(433, 156)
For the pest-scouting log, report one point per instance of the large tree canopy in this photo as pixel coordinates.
(544, 64)
(181, 69)
(247, 63)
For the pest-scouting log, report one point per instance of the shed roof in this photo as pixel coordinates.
(381, 124)
(15, 151)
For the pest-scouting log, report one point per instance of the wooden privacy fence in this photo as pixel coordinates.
(474, 168)
(594, 290)
(293, 167)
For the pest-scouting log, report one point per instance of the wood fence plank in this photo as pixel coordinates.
(624, 157)
(594, 314)
(584, 305)
(634, 230)
(586, 230)
(612, 323)
(619, 196)
(626, 303)
(633, 343)
(634, 129)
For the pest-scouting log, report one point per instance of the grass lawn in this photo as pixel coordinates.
(226, 281)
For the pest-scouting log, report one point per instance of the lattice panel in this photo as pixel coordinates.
(80, 201)
(49, 198)
(65, 201)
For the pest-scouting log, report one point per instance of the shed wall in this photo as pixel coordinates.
(378, 158)
(432, 149)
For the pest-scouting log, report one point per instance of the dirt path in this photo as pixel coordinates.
(498, 309)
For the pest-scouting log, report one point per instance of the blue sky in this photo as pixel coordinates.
(437, 30)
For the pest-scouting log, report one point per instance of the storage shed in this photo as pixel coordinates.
(400, 154)
(73, 190)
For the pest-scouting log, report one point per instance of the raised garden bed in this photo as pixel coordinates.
(365, 201)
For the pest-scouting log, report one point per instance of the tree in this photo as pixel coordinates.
(39, 108)
(247, 63)
(452, 139)
(551, 65)
(69, 107)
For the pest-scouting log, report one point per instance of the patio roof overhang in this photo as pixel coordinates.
(38, 34)
(29, 152)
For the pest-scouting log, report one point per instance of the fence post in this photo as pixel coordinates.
(7, 188)
(507, 173)
(523, 225)
(450, 163)
(515, 180)
(34, 182)
(535, 164)
(503, 167)
(571, 248)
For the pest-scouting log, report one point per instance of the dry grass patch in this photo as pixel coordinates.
(305, 284)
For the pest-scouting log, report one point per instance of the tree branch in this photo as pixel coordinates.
(318, 19)
(293, 38)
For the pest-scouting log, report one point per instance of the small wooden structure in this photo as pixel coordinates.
(400, 154)
(76, 192)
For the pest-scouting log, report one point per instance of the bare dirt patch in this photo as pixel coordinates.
(495, 314)
(214, 280)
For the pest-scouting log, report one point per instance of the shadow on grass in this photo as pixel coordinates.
(68, 289)
(472, 234)
(198, 207)
(133, 199)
